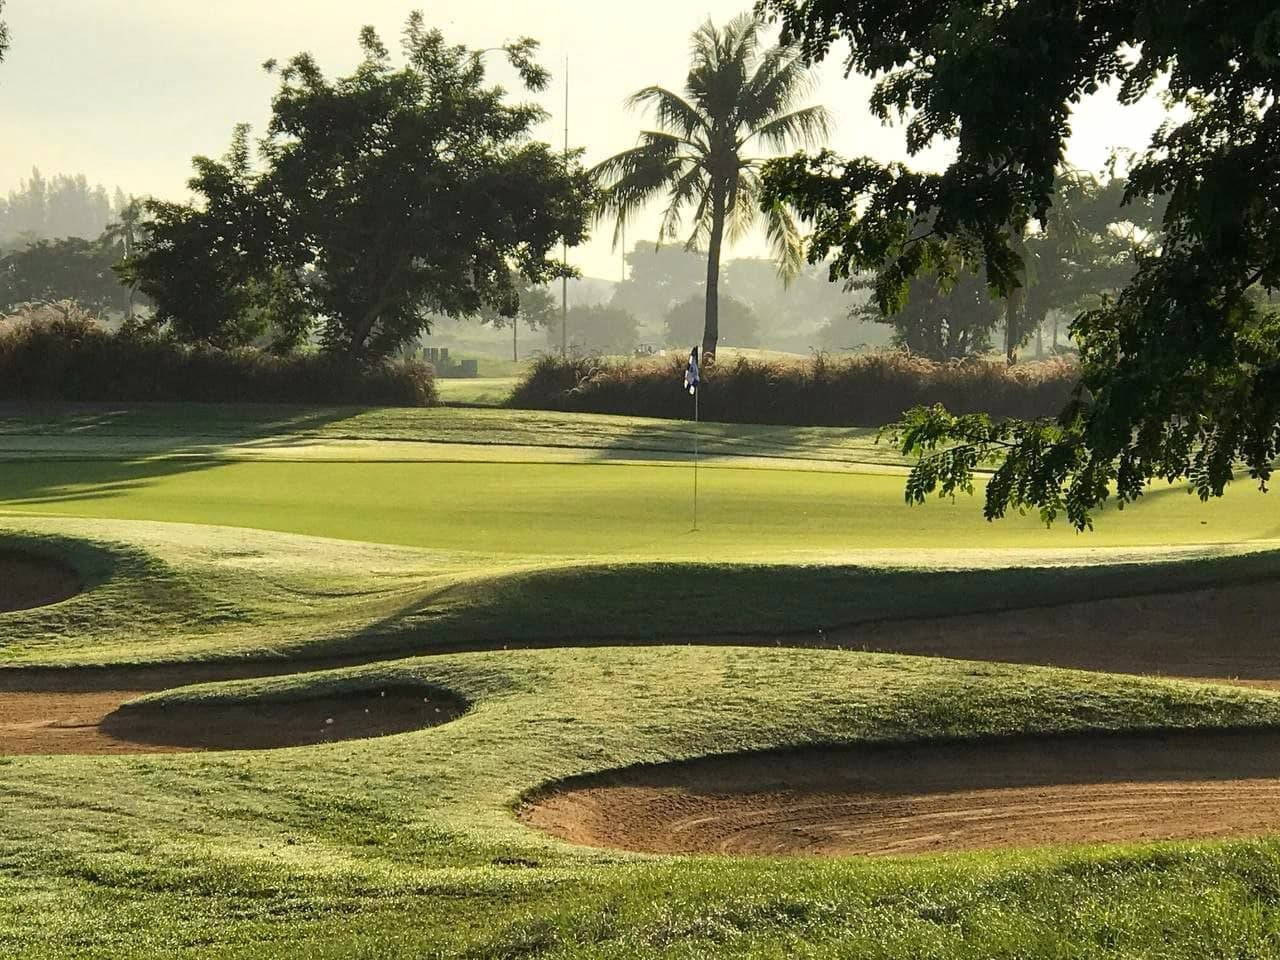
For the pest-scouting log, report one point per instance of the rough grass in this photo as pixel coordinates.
(865, 390)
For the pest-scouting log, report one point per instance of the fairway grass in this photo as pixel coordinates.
(563, 600)
(498, 497)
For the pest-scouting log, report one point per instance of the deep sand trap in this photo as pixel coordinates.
(80, 712)
(930, 798)
(28, 581)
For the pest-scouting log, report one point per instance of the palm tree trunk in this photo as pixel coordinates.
(711, 327)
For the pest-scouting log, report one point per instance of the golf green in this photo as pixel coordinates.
(626, 511)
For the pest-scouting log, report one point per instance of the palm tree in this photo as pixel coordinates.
(736, 96)
(124, 231)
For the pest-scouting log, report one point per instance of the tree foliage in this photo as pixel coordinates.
(1180, 371)
(72, 269)
(941, 321)
(44, 208)
(4, 35)
(385, 197)
(737, 98)
(598, 328)
(739, 323)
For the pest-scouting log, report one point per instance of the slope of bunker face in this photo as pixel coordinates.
(261, 725)
(28, 581)
(930, 797)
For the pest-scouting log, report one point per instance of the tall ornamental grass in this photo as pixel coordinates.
(867, 390)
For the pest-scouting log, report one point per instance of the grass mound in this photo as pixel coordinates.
(867, 390)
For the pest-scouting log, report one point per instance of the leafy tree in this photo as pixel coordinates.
(386, 197)
(942, 321)
(123, 233)
(659, 276)
(4, 35)
(597, 329)
(737, 96)
(535, 306)
(416, 190)
(1087, 249)
(739, 322)
(52, 270)
(790, 315)
(1180, 372)
(206, 268)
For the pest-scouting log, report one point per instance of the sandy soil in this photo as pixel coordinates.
(930, 798)
(79, 712)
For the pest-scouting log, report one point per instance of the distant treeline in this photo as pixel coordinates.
(868, 390)
(58, 207)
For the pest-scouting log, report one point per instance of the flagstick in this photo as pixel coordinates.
(696, 391)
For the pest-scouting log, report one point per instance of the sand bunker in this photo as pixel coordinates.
(28, 581)
(91, 720)
(930, 798)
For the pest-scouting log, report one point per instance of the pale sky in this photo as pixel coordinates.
(127, 91)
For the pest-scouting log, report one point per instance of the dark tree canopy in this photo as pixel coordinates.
(1180, 372)
(942, 321)
(70, 269)
(386, 197)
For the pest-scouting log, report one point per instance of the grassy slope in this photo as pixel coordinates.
(402, 847)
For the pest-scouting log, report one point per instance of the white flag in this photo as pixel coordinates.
(691, 372)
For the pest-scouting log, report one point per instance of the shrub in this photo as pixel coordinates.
(867, 390)
(58, 352)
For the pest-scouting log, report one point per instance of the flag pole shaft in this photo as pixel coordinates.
(695, 457)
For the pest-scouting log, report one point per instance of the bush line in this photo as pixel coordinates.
(75, 359)
(867, 390)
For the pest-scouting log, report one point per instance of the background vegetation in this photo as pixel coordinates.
(865, 390)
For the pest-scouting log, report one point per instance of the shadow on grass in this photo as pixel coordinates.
(177, 440)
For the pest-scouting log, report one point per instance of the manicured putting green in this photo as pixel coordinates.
(615, 510)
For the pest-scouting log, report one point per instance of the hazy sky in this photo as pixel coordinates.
(126, 91)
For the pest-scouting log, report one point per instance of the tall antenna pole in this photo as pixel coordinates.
(564, 279)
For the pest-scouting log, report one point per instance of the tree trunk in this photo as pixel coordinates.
(1055, 332)
(515, 339)
(1040, 341)
(711, 328)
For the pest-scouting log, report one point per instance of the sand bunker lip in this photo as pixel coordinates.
(28, 581)
(927, 798)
